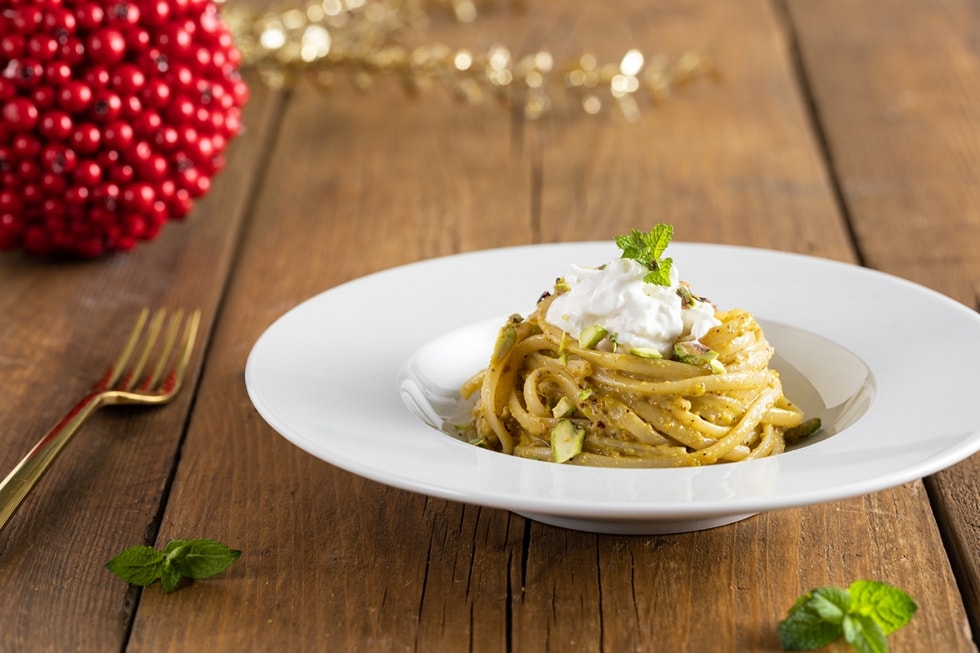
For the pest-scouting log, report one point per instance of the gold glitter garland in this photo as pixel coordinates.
(360, 38)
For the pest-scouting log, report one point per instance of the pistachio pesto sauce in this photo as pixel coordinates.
(636, 315)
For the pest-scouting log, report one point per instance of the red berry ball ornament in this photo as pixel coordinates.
(114, 117)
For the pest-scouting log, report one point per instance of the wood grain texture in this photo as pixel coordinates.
(63, 322)
(361, 183)
(834, 127)
(734, 162)
(349, 190)
(896, 90)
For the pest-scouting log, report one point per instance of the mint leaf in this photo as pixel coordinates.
(205, 558)
(176, 549)
(660, 276)
(138, 565)
(890, 607)
(830, 603)
(864, 635)
(864, 614)
(193, 559)
(648, 248)
(169, 577)
(804, 629)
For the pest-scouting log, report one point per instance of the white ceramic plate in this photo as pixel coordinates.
(366, 375)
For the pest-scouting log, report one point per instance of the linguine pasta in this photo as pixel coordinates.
(621, 408)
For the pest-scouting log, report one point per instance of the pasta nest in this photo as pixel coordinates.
(635, 411)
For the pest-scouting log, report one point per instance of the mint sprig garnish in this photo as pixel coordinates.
(648, 248)
(864, 615)
(194, 559)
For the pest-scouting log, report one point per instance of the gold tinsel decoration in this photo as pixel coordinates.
(361, 40)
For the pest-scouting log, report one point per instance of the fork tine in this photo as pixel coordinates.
(115, 370)
(190, 335)
(173, 328)
(132, 375)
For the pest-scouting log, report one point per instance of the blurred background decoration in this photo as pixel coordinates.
(363, 40)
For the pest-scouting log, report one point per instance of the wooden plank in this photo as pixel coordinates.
(733, 162)
(357, 183)
(63, 321)
(741, 164)
(895, 86)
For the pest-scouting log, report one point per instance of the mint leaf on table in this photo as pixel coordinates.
(194, 559)
(201, 558)
(890, 607)
(864, 635)
(138, 565)
(863, 614)
(648, 248)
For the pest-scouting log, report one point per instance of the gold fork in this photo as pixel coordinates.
(123, 382)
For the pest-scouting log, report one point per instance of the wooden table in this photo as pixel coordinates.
(845, 129)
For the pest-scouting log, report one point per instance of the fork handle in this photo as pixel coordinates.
(22, 479)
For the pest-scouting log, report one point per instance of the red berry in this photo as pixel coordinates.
(132, 107)
(118, 135)
(122, 174)
(86, 138)
(57, 73)
(123, 13)
(26, 146)
(97, 77)
(147, 123)
(89, 15)
(74, 97)
(59, 22)
(137, 39)
(106, 45)
(29, 169)
(88, 174)
(52, 184)
(26, 73)
(138, 197)
(153, 168)
(127, 79)
(20, 114)
(156, 94)
(10, 202)
(44, 97)
(55, 125)
(156, 12)
(27, 18)
(12, 45)
(59, 159)
(42, 46)
(72, 51)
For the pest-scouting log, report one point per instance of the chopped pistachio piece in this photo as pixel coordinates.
(566, 440)
(592, 336)
(563, 408)
(505, 342)
(693, 352)
(645, 352)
